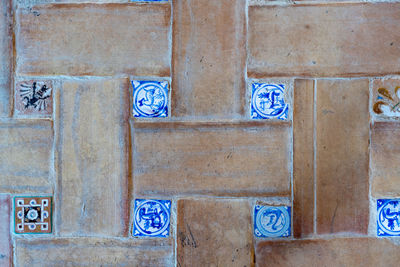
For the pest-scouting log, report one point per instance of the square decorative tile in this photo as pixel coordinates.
(268, 101)
(272, 221)
(151, 218)
(33, 98)
(386, 98)
(33, 215)
(150, 98)
(388, 221)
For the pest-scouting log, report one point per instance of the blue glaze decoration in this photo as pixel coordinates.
(151, 218)
(272, 221)
(388, 221)
(150, 99)
(268, 101)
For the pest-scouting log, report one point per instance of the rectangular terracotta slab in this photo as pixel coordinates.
(342, 128)
(368, 252)
(25, 156)
(208, 58)
(86, 251)
(93, 157)
(5, 240)
(385, 158)
(90, 39)
(5, 57)
(303, 158)
(214, 232)
(324, 40)
(226, 159)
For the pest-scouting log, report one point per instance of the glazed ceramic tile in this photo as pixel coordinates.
(388, 221)
(386, 98)
(33, 98)
(268, 101)
(150, 98)
(33, 215)
(151, 218)
(272, 221)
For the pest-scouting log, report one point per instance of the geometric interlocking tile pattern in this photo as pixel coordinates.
(33, 215)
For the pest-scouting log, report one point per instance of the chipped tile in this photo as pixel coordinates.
(33, 98)
(272, 221)
(150, 98)
(268, 101)
(388, 220)
(33, 215)
(151, 218)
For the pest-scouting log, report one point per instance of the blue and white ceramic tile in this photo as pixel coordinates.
(151, 218)
(388, 221)
(272, 221)
(268, 101)
(150, 99)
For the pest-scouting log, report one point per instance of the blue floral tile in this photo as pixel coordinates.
(272, 221)
(268, 101)
(388, 221)
(150, 99)
(151, 218)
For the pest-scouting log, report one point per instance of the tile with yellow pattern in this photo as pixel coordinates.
(386, 98)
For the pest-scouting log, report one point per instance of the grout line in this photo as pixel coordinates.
(11, 104)
(371, 229)
(13, 60)
(286, 3)
(170, 42)
(54, 155)
(129, 168)
(174, 223)
(247, 93)
(291, 148)
(165, 2)
(58, 126)
(315, 155)
(24, 76)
